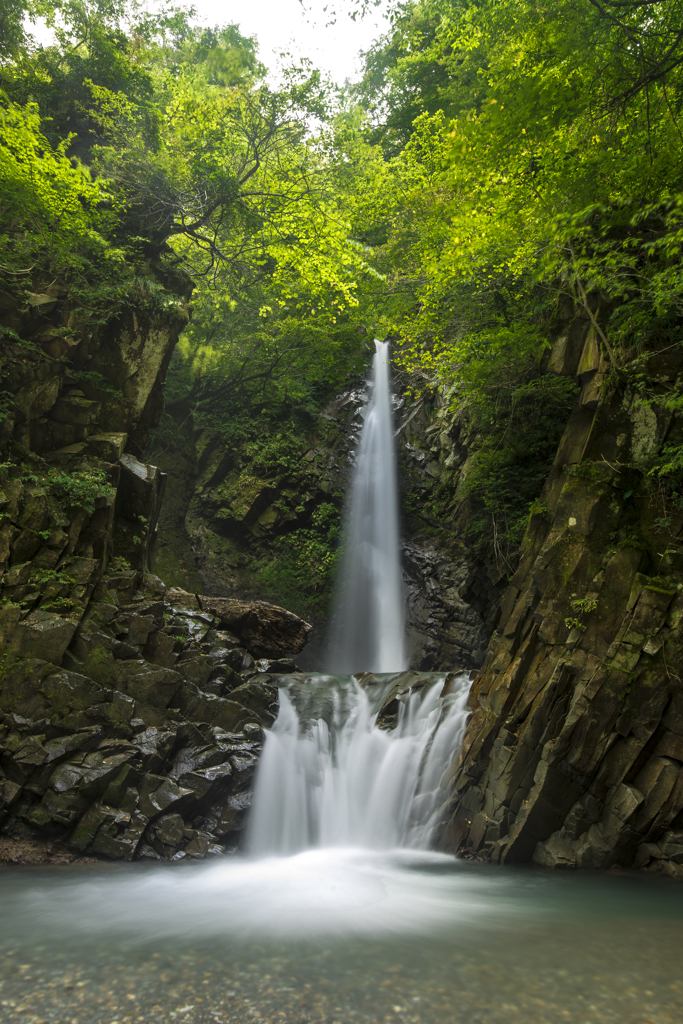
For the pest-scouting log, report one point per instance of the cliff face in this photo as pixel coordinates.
(256, 517)
(130, 715)
(452, 593)
(80, 395)
(574, 752)
(261, 520)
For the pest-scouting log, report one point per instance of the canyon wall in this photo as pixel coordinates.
(130, 714)
(262, 519)
(573, 756)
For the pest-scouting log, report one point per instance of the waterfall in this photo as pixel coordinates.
(368, 618)
(350, 783)
(328, 775)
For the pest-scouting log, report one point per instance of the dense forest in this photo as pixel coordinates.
(497, 161)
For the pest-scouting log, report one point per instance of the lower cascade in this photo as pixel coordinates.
(338, 779)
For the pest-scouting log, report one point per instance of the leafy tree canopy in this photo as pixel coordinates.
(531, 159)
(498, 161)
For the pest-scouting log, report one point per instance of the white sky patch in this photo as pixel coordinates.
(288, 26)
(304, 31)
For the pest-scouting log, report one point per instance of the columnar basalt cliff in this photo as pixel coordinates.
(130, 715)
(573, 756)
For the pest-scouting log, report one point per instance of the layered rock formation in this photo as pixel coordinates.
(574, 752)
(81, 390)
(240, 516)
(131, 715)
(452, 596)
(146, 743)
(227, 522)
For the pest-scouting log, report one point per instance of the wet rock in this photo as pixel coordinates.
(91, 776)
(138, 503)
(157, 794)
(139, 628)
(58, 810)
(155, 746)
(260, 695)
(159, 650)
(152, 687)
(571, 757)
(100, 665)
(267, 630)
(170, 839)
(119, 836)
(195, 669)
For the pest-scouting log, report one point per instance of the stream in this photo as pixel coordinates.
(337, 935)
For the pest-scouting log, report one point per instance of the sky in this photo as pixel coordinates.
(287, 24)
(301, 28)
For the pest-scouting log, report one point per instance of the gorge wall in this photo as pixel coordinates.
(262, 519)
(132, 709)
(130, 714)
(573, 756)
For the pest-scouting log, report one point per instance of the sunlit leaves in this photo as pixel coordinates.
(53, 199)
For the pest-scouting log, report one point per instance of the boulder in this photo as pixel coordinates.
(43, 635)
(266, 629)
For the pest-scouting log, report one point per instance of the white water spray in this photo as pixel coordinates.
(368, 622)
(351, 783)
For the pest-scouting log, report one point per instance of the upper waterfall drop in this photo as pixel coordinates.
(368, 621)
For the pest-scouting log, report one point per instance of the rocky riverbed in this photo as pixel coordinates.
(585, 950)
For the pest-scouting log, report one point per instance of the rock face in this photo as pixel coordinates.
(444, 631)
(256, 520)
(453, 595)
(573, 756)
(130, 718)
(242, 522)
(80, 394)
(144, 741)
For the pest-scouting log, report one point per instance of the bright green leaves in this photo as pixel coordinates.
(533, 155)
(557, 170)
(49, 205)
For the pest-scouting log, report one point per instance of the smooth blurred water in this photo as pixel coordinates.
(368, 620)
(341, 934)
(338, 935)
(347, 782)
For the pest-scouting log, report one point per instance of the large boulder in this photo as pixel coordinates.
(265, 629)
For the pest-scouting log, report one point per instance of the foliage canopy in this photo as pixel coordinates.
(497, 161)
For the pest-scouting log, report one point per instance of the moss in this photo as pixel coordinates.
(9, 662)
(592, 472)
(40, 816)
(81, 836)
(634, 540)
(237, 495)
(541, 509)
(301, 573)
